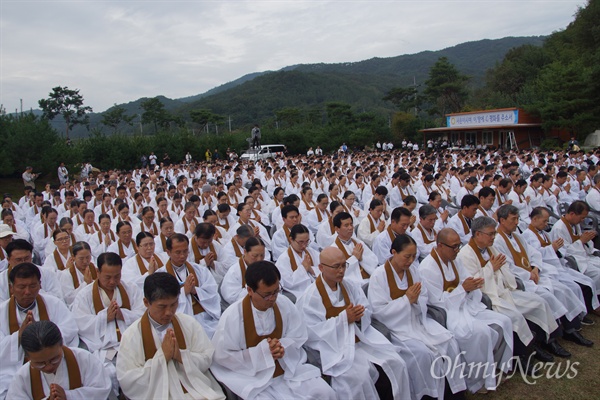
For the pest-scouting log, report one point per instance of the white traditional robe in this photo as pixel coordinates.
(368, 262)
(382, 245)
(587, 263)
(206, 290)
(129, 251)
(249, 372)
(351, 364)
(203, 252)
(159, 379)
(501, 288)
(424, 248)
(297, 281)
(231, 287)
(364, 230)
(325, 233)
(11, 353)
(560, 298)
(464, 231)
(570, 277)
(419, 339)
(131, 270)
(470, 322)
(95, 383)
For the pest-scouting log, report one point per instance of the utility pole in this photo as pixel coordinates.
(415, 85)
(230, 124)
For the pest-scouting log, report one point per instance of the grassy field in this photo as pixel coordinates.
(584, 365)
(585, 361)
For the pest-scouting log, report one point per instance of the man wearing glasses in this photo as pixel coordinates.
(55, 371)
(526, 310)
(25, 306)
(485, 336)
(258, 344)
(360, 360)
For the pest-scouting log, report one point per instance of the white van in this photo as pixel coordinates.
(264, 152)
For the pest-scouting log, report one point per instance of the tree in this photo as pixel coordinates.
(339, 113)
(115, 116)
(204, 117)
(404, 98)
(68, 103)
(446, 89)
(155, 113)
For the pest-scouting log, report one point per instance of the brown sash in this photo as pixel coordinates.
(395, 291)
(122, 250)
(499, 197)
(58, 260)
(2, 256)
(196, 306)
(542, 239)
(331, 228)
(86, 228)
(574, 237)
(364, 274)
(449, 286)
(243, 271)
(308, 207)
(293, 262)
(520, 257)
(148, 338)
(101, 236)
(197, 255)
(287, 234)
(153, 230)
(424, 234)
(73, 272)
(477, 252)
(225, 225)
(371, 224)
(163, 241)
(252, 338)
(330, 310)
(98, 306)
(142, 266)
(35, 377)
(391, 233)
(236, 249)
(13, 324)
(185, 223)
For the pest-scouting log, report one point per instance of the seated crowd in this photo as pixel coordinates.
(396, 275)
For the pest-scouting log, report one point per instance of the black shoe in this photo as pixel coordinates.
(587, 321)
(578, 338)
(555, 348)
(542, 354)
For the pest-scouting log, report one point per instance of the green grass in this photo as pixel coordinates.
(585, 385)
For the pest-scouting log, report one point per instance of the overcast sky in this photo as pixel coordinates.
(119, 51)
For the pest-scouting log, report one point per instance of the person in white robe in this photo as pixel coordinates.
(583, 286)
(19, 251)
(56, 370)
(281, 237)
(101, 240)
(233, 286)
(362, 262)
(258, 344)
(483, 335)
(105, 309)
(144, 263)
(318, 214)
(399, 301)
(205, 250)
(425, 233)
(526, 263)
(233, 249)
(578, 243)
(165, 354)
(124, 246)
(487, 196)
(461, 221)
(592, 198)
(326, 231)
(299, 264)
(244, 214)
(521, 202)
(400, 222)
(372, 225)
(79, 273)
(25, 306)
(351, 351)
(188, 221)
(526, 310)
(199, 296)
